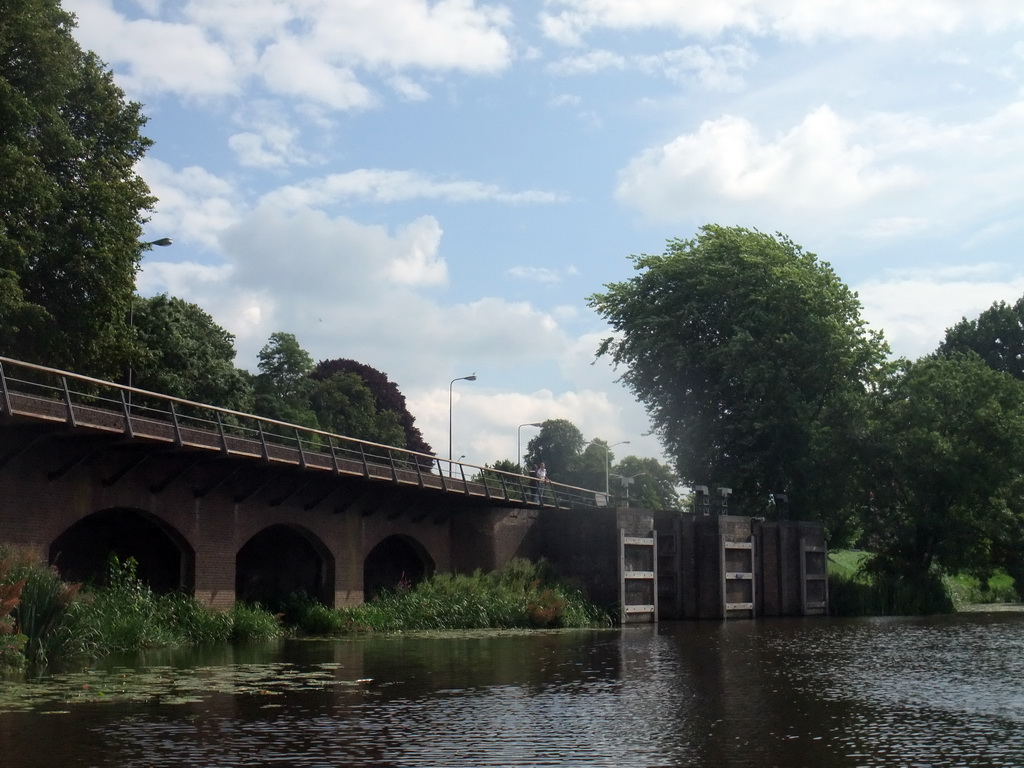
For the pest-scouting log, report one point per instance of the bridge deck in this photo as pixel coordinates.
(36, 394)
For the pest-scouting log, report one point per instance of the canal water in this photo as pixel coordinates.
(793, 693)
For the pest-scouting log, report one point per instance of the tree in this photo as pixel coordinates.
(751, 358)
(386, 395)
(654, 484)
(283, 385)
(558, 445)
(997, 336)
(343, 404)
(948, 447)
(179, 350)
(71, 204)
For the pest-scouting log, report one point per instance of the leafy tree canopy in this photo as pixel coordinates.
(751, 358)
(948, 447)
(283, 386)
(997, 336)
(654, 485)
(344, 405)
(181, 351)
(558, 444)
(71, 204)
(387, 397)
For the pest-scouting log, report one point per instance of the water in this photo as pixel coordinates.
(819, 693)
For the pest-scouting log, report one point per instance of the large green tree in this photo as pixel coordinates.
(997, 336)
(752, 360)
(283, 385)
(344, 405)
(646, 482)
(558, 444)
(947, 469)
(179, 350)
(387, 398)
(71, 204)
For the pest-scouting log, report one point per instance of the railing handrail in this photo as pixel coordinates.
(582, 496)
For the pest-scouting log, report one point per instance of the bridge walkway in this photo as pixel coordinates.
(50, 399)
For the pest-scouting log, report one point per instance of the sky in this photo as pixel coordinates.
(435, 188)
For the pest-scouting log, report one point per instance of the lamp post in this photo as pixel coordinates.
(608, 462)
(519, 442)
(163, 242)
(471, 377)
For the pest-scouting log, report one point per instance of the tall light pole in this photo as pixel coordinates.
(471, 377)
(608, 461)
(519, 442)
(163, 242)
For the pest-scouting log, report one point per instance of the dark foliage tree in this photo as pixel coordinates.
(179, 350)
(947, 491)
(752, 360)
(386, 394)
(71, 204)
(996, 336)
(344, 405)
(558, 444)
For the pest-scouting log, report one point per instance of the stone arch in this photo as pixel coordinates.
(282, 560)
(395, 559)
(166, 561)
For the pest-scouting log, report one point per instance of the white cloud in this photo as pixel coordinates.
(385, 186)
(713, 68)
(914, 308)
(568, 21)
(155, 56)
(818, 165)
(193, 205)
(317, 50)
(882, 176)
(535, 274)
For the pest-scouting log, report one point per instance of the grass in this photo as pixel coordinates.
(521, 595)
(853, 591)
(55, 623)
(46, 622)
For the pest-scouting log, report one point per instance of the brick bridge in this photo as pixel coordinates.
(227, 506)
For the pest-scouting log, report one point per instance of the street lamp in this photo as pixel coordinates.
(163, 242)
(471, 377)
(608, 461)
(519, 432)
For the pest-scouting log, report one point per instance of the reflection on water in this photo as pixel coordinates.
(800, 692)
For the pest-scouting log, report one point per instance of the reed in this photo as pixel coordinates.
(521, 595)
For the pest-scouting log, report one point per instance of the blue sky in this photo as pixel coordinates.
(434, 188)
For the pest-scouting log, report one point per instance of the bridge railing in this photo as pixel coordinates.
(37, 392)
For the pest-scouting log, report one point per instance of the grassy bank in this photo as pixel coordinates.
(855, 591)
(521, 595)
(45, 621)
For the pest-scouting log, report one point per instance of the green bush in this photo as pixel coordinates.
(251, 622)
(521, 595)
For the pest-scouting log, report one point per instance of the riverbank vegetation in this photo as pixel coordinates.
(520, 595)
(45, 621)
(857, 589)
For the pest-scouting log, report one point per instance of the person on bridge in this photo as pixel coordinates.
(541, 476)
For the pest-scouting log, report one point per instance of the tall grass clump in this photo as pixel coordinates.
(521, 595)
(44, 613)
(54, 623)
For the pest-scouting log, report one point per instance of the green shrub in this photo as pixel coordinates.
(252, 622)
(521, 595)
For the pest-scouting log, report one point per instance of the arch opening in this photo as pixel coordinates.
(280, 561)
(166, 562)
(397, 560)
